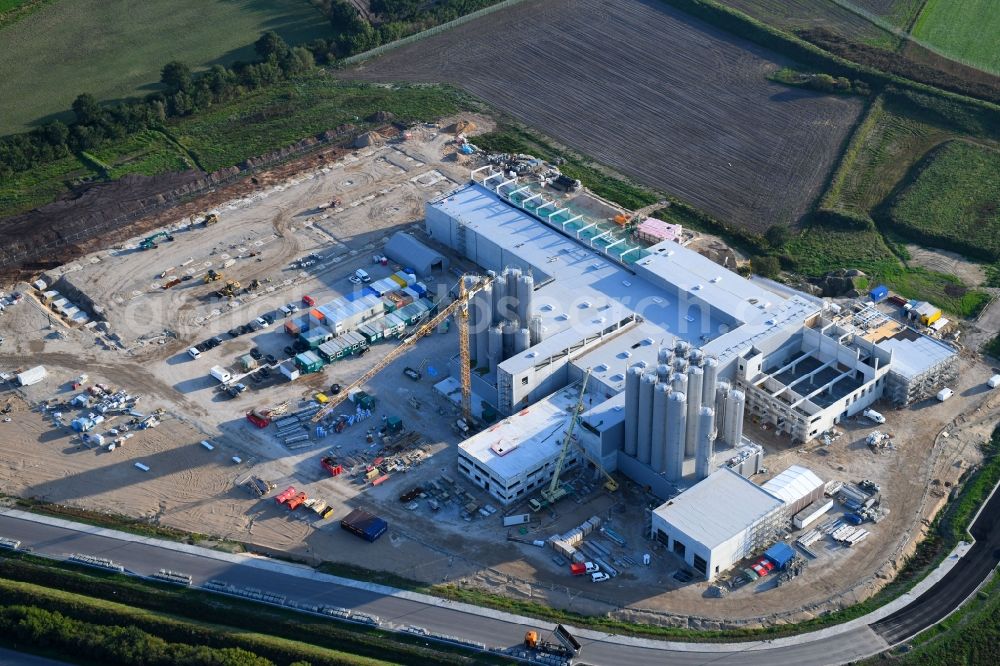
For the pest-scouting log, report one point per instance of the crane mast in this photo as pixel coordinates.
(555, 491)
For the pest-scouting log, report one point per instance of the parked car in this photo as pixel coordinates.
(599, 577)
(256, 354)
(269, 318)
(309, 300)
(292, 307)
(289, 351)
(354, 279)
(216, 341)
(412, 374)
(245, 328)
(185, 278)
(591, 567)
(194, 352)
(262, 322)
(234, 332)
(270, 359)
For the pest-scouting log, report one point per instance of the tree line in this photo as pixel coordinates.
(184, 94)
(111, 644)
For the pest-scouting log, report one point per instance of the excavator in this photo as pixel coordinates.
(213, 276)
(231, 289)
(149, 243)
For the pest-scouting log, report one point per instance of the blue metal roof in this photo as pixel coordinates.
(781, 554)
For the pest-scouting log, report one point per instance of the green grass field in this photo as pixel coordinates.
(115, 48)
(966, 30)
(147, 153)
(954, 201)
(41, 185)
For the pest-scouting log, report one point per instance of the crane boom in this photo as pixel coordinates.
(424, 329)
(552, 491)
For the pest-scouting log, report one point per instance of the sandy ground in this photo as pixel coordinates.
(191, 488)
(942, 261)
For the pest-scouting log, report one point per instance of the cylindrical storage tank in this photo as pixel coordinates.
(509, 329)
(645, 429)
(525, 294)
(680, 364)
(535, 328)
(663, 356)
(681, 348)
(632, 378)
(658, 442)
(733, 427)
(695, 380)
(706, 443)
(522, 340)
(663, 373)
(679, 382)
(696, 356)
(497, 292)
(711, 370)
(484, 301)
(512, 275)
(721, 408)
(496, 347)
(676, 428)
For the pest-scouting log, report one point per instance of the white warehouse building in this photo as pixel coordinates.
(718, 522)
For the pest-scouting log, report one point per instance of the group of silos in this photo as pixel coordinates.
(501, 323)
(678, 410)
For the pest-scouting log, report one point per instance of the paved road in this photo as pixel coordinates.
(401, 609)
(956, 586)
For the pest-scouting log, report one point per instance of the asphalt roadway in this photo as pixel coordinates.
(400, 610)
(955, 587)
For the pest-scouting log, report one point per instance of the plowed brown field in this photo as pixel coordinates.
(666, 99)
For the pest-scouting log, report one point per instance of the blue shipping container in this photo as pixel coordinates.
(879, 292)
(781, 554)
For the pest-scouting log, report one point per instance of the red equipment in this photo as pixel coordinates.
(259, 418)
(297, 501)
(285, 495)
(577, 568)
(309, 300)
(331, 465)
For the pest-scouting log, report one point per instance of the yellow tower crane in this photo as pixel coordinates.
(459, 307)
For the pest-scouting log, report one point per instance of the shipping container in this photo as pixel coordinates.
(366, 525)
(811, 513)
(879, 293)
(517, 519)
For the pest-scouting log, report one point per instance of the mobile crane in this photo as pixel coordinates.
(556, 491)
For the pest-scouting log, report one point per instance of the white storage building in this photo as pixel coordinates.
(797, 487)
(718, 522)
(33, 376)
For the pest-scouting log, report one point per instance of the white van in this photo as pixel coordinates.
(363, 276)
(193, 353)
(874, 416)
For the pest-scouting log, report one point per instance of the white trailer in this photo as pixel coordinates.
(517, 519)
(33, 376)
(220, 373)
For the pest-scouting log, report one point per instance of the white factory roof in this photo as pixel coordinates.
(718, 508)
(793, 484)
(527, 439)
(577, 286)
(914, 354)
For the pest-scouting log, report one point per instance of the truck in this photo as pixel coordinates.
(259, 417)
(567, 647)
(872, 415)
(172, 283)
(220, 373)
(331, 465)
(364, 524)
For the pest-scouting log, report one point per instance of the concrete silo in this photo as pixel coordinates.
(483, 302)
(706, 442)
(679, 382)
(733, 427)
(495, 347)
(695, 380)
(658, 432)
(535, 328)
(711, 370)
(525, 298)
(674, 441)
(509, 329)
(522, 340)
(645, 430)
(721, 409)
(633, 376)
(497, 292)
(663, 373)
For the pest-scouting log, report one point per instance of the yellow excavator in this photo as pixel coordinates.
(213, 276)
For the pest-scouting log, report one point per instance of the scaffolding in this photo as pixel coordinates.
(904, 390)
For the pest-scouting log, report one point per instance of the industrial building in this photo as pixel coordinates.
(405, 249)
(718, 522)
(678, 351)
(517, 456)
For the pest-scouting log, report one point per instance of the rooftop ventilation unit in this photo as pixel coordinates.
(618, 377)
(625, 354)
(696, 287)
(647, 341)
(626, 283)
(547, 307)
(585, 305)
(601, 368)
(562, 317)
(717, 279)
